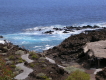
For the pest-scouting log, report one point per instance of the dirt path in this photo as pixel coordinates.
(26, 70)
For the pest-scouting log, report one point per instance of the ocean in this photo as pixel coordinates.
(21, 20)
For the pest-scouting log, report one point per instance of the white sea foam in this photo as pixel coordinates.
(2, 41)
(44, 29)
(37, 36)
(37, 46)
(47, 47)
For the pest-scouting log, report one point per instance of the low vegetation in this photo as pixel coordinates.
(71, 69)
(11, 57)
(79, 75)
(31, 65)
(33, 55)
(5, 70)
(42, 76)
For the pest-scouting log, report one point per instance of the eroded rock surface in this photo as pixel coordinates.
(71, 49)
(101, 75)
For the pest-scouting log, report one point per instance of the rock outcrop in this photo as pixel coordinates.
(71, 49)
(101, 75)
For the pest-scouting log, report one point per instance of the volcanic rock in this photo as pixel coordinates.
(101, 75)
(1, 36)
(49, 32)
(72, 47)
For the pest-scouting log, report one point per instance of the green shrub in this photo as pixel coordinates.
(44, 68)
(12, 66)
(18, 69)
(34, 56)
(78, 75)
(20, 61)
(11, 57)
(19, 52)
(71, 69)
(31, 53)
(47, 79)
(42, 76)
(36, 63)
(31, 65)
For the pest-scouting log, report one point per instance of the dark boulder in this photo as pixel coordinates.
(57, 29)
(101, 75)
(1, 36)
(65, 32)
(49, 32)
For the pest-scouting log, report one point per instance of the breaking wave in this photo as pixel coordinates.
(35, 39)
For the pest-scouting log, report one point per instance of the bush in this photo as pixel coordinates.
(34, 56)
(19, 52)
(31, 53)
(20, 60)
(11, 57)
(78, 75)
(12, 66)
(71, 69)
(31, 65)
(5, 70)
(42, 76)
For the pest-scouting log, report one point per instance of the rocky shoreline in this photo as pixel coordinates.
(71, 51)
(29, 65)
(68, 29)
(55, 63)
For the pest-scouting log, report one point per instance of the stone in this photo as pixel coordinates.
(49, 32)
(42, 58)
(41, 76)
(65, 32)
(19, 52)
(1, 36)
(44, 65)
(50, 78)
(101, 75)
(3, 54)
(9, 62)
(26, 63)
(5, 47)
(71, 49)
(6, 59)
(18, 69)
(33, 74)
(16, 72)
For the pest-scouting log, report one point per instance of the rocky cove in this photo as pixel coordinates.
(29, 65)
(55, 63)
